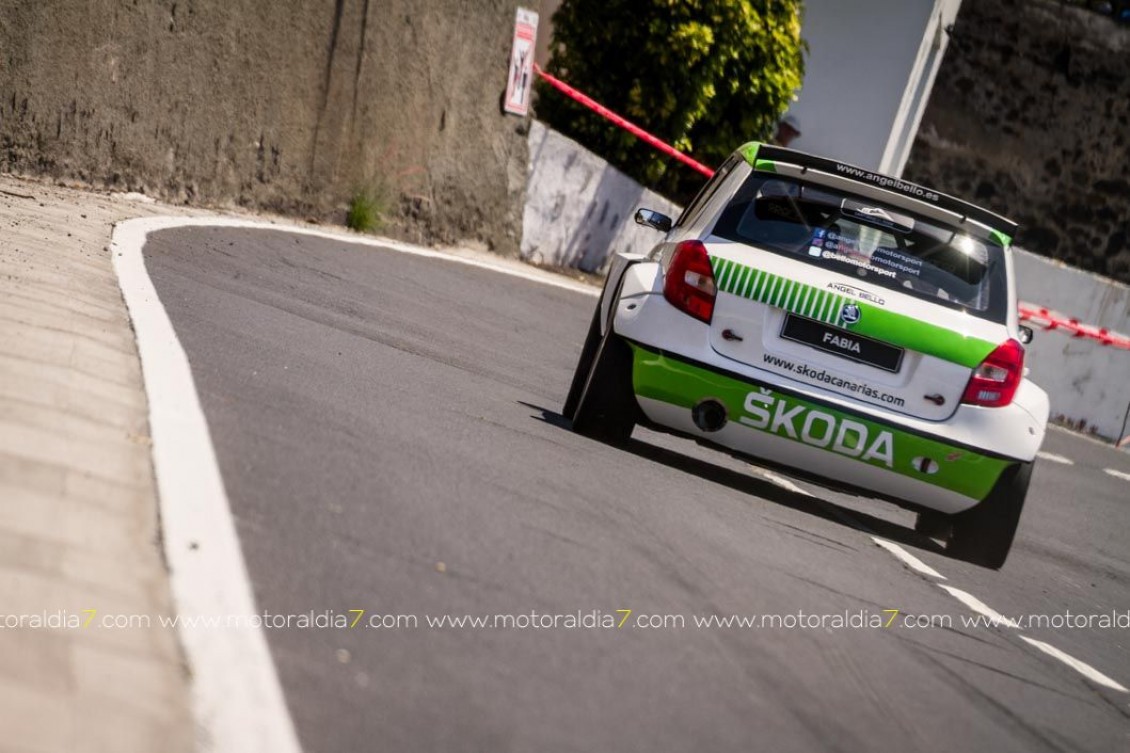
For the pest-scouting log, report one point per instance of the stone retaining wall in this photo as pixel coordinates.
(1030, 116)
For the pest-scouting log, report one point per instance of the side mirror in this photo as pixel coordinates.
(1025, 335)
(653, 219)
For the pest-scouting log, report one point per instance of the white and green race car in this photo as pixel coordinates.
(846, 327)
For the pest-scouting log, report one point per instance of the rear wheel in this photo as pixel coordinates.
(983, 535)
(606, 408)
(584, 366)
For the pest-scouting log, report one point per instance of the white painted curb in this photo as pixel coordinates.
(238, 702)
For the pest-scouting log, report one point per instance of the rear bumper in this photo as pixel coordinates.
(786, 429)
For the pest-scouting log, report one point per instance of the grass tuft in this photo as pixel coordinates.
(366, 211)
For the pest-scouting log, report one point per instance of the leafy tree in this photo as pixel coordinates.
(703, 75)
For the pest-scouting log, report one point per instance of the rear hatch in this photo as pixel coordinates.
(862, 301)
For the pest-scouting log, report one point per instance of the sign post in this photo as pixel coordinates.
(521, 78)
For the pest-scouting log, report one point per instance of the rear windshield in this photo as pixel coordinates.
(881, 244)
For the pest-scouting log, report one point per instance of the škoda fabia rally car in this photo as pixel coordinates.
(847, 327)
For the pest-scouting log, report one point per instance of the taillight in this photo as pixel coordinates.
(994, 382)
(689, 285)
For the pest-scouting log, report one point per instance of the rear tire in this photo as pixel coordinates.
(983, 535)
(584, 366)
(607, 409)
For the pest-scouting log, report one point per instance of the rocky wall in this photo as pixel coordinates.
(1030, 116)
(290, 105)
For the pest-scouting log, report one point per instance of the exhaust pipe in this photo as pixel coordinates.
(709, 415)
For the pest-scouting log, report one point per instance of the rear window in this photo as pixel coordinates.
(881, 244)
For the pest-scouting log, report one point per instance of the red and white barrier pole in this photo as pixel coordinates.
(621, 121)
(1048, 320)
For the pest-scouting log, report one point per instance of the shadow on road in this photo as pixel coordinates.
(760, 488)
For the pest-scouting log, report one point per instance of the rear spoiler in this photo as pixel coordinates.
(762, 157)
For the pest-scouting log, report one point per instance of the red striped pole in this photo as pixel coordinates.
(1049, 320)
(627, 125)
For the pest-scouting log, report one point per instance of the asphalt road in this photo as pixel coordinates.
(377, 414)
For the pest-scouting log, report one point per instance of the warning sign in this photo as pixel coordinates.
(521, 79)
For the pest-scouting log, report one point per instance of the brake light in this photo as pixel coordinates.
(689, 285)
(994, 382)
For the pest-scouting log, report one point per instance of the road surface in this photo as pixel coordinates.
(388, 432)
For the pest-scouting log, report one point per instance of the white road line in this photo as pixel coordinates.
(969, 599)
(979, 606)
(1055, 458)
(909, 559)
(1118, 474)
(829, 508)
(783, 482)
(1082, 668)
(238, 703)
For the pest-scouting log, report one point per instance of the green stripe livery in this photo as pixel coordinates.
(768, 411)
(824, 306)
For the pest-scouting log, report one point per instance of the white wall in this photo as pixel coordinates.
(869, 72)
(579, 210)
(1089, 384)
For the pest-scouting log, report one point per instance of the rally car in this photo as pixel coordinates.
(847, 327)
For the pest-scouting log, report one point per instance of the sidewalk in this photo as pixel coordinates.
(78, 506)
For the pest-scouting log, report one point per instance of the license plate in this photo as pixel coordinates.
(842, 343)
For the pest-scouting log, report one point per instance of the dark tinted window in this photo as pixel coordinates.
(874, 242)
